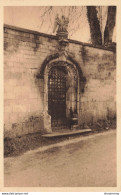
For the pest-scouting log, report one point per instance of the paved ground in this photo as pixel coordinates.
(90, 162)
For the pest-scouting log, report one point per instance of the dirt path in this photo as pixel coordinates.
(90, 162)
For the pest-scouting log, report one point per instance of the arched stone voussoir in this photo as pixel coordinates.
(56, 57)
(82, 78)
(43, 66)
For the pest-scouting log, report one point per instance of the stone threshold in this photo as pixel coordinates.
(69, 132)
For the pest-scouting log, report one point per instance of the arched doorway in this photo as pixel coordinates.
(61, 93)
(67, 68)
(57, 89)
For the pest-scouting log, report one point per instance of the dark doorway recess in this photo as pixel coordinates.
(57, 97)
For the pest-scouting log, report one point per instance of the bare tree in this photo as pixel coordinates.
(111, 20)
(95, 25)
(74, 14)
(95, 31)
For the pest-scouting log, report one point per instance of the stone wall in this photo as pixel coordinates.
(98, 100)
(25, 52)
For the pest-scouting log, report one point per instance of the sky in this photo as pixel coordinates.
(42, 19)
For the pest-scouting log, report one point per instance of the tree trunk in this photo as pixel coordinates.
(108, 33)
(95, 31)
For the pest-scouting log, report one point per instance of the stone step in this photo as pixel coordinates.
(70, 132)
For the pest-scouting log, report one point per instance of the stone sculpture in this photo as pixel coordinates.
(61, 26)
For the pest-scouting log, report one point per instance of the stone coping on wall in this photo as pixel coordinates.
(55, 37)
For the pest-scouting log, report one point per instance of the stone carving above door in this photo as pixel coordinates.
(61, 26)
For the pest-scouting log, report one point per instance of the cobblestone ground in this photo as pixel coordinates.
(87, 163)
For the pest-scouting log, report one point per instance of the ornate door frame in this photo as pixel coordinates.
(72, 100)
